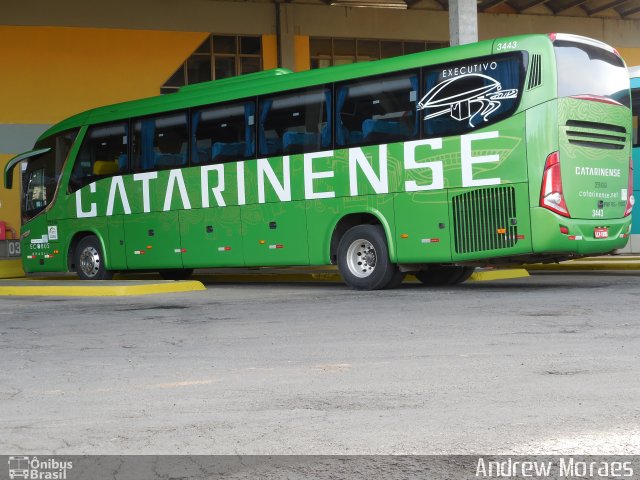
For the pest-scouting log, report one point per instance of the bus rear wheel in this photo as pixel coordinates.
(89, 260)
(363, 259)
(440, 276)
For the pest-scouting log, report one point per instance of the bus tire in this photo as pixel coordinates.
(176, 274)
(396, 281)
(441, 276)
(89, 260)
(363, 259)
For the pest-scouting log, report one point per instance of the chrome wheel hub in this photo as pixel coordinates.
(361, 258)
(90, 262)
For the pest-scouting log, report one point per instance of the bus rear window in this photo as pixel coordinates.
(586, 70)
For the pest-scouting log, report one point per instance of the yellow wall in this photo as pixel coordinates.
(269, 52)
(9, 200)
(301, 51)
(50, 73)
(631, 56)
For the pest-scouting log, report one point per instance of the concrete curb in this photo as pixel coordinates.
(618, 262)
(124, 285)
(331, 277)
(98, 289)
(11, 268)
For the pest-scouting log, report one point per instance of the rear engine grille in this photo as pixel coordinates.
(535, 72)
(596, 135)
(485, 220)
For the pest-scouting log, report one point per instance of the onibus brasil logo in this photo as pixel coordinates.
(36, 469)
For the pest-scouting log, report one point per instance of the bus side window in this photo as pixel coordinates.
(160, 142)
(379, 110)
(295, 122)
(103, 154)
(461, 96)
(223, 133)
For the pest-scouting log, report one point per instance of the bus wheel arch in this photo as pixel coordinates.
(344, 224)
(363, 259)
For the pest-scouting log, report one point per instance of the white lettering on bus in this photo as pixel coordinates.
(283, 190)
(217, 190)
(468, 160)
(379, 183)
(310, 176)
(437, 171)
(598, 172)
(93, 210)
(358, 160)
(175, 176)
(144, 178)
(241, 195)
(117, 183)
(467, 69)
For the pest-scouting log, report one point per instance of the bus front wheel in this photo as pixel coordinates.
(363, 259)
(444, 275)
(89, 260)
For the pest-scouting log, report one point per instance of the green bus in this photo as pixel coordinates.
(501, 152)
(634, 75)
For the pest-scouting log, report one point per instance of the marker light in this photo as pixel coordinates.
(551, 196)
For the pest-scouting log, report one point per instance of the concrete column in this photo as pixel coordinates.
(285, 33)
(463, 21)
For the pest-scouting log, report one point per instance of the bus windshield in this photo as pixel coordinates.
(589, 71)
(41, 175)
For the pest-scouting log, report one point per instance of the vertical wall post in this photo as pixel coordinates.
(285, 36)
(463, 21)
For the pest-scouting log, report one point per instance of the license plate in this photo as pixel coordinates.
(601, 232)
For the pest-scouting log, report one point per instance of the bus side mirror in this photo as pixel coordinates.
(8, 170)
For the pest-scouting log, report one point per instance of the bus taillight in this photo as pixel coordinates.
(630, 197)
(551, 196)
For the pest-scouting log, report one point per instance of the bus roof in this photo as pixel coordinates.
(270, 81)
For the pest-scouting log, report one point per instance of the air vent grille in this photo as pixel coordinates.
(535, 71)
(485, 220)
(596, 135)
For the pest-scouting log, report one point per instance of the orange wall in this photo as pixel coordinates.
(50, 73)
(9, 201)
(631, 56)
(269, 52)
(302, 55)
